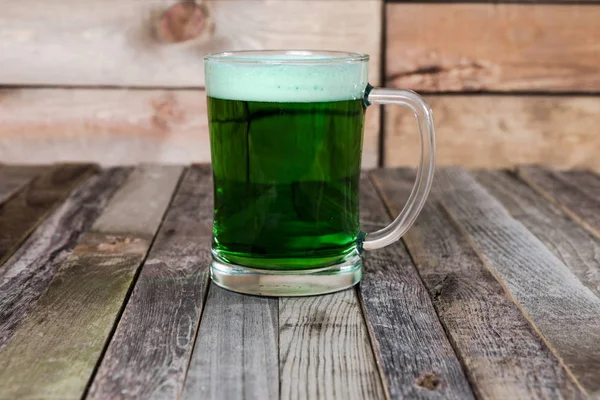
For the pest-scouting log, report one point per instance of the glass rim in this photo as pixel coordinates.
(287, 57)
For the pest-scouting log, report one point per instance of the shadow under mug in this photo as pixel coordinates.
(286, 133)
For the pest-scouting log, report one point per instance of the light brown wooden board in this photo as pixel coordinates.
(21, 214)
(118, 126)
(14, 178)
(566, 239)
(575, 195)
(58, 344)
(502, 354)
(493, 47)
(324, 349)
(108, 126)
(28, 272)
(114, 43)
(564, 312)
(149, 351)
(413, 351)
(501, 131)
(235, 356)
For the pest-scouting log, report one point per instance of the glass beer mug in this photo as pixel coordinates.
(286, 134)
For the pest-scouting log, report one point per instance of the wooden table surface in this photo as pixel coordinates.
(104, 293)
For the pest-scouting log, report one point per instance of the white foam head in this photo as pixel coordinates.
(286, 76)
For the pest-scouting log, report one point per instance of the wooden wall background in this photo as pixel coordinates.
(103, 81)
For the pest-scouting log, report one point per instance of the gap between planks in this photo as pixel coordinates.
(149, 353)
(570, 242)
(22, 213)
(324, 349)
(235, 354)
(502, 354)
(59, 343)
(29, 271)
(287, 348)
(411, 346)
(563, 311)
(577, 193)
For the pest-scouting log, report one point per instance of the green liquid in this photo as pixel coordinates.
(286, 181)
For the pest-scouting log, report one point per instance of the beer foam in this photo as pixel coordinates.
(286, 78)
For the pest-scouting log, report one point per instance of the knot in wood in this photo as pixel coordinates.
(428, 380)
(182, 22)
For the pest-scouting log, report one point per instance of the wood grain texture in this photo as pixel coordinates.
(24, 212)
(118, 126)
(576, 193)
(503, 356)
(114, 44)
(564, 312)
(59, 342)
(413, 350)
(14, 178)
(497, 47)
(235, 356)
(487, 131)
(28, 272)
(324, 349)
(588, 182)
(565, 238)
(149, 352)
(108, 126)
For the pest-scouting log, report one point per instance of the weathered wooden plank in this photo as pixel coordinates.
(115, 44)
(588, 182)
(21, 214)
(501, 131)
(566, 239)
(14, 178)
(53, 352)
(502, 354)
(563, 311)
(27, 274)
(118, 127)
(413, 350)
(108, 126)
(235, 356)
(575, 195)
(149, 352)
(499, 47)
(324, 349)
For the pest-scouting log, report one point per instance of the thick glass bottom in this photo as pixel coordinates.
(281, 283)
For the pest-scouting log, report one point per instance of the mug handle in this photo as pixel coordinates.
(420, 190)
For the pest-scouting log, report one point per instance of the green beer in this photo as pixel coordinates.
(286, 178)
(286, 143)
(286, 131)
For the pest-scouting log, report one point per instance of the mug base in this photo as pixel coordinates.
(282, 283)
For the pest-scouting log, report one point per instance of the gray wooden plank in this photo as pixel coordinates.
(566, 239)
(53, 352)
(149, 352)
(587, 182)
(235, 356)
(564, 312)
(21, 214)
(15, 177)
(502, 354)
(577, 194)
(413, 350)
(27, 274)
(324, 349)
